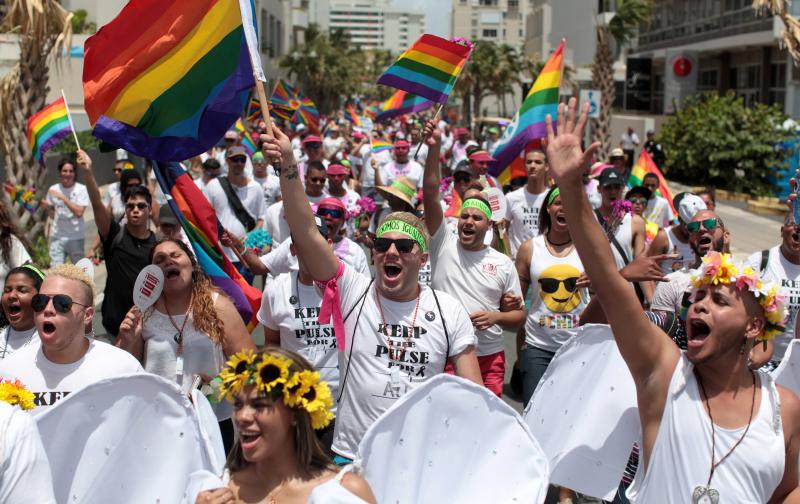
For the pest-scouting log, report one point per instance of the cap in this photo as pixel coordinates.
(402, 144)
(689, 206)
(611, 176)
(461, 131)
(330, 201)
(167, 216)
(258, 156)
(480, 155)
(336, 169)
(358, 135)
(311, 139)
(639, 190)
(231, 135)
(402, 188)
(300, 127)
(494, 130)
(462, 166)
(651, 132)
(236, 150)
(615, 153)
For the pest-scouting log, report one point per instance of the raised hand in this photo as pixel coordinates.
(564, 154)
(432, 135)
(278, 147)
(84, 161)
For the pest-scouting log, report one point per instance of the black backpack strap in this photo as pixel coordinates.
(243, 215)
(363, 300)
(764, 259)
(618, 246)
(444, 326)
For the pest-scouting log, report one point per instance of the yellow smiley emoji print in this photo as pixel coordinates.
(557, 287)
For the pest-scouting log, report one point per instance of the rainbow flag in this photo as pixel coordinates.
(380, 146)
(401, 103)
(247, 140)
(352, 116)
(253, 112)
(371, 111)
(25, 197)
(307, 114)
(428, 68)
(528, 124)
(164, 80)
(47, 127)
(199, 221)
(645, 165)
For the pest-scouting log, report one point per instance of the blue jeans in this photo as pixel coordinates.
(533, 363)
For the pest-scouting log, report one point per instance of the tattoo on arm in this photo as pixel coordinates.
(290, 172)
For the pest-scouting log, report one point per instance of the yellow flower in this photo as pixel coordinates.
(295, 387)
(237, 373)
(312, 395)
(271, 371)
(15, 393)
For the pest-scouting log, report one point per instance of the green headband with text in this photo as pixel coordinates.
(398, 226)
(478, 204)
(553, 196)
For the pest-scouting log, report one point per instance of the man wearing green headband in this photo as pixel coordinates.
(464, 267)
(394, 334)
(264, 176)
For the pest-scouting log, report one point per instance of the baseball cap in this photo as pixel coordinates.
(300, 127)
(461, 131)
(689, 206)
(336, 169)
(610, 176)
(494, 130)
(330, 201)
(236, 150)
(258, 156)
(639, 190)
(311, 139)
(480, 155)
(615, 153)
(231, 135)
(401, 144)
(358, 135)
(462, 166)
(167, 216)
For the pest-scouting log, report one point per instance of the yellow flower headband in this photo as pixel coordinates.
(15, 394)
(272, 376)
(719, 269)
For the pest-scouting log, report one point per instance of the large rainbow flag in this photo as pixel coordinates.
(307, 114)
(429, 68)
(528, 124)
(401, 103)
(165, 80)
(645, 165)
(285, 100)
(47, 127)
(200, 223)
(352, 116)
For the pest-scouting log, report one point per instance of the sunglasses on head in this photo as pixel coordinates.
(61, 302)
(336, 213)
(131, 206)
(550, 285)
(238, 159)
(403, 245)
(708, 224)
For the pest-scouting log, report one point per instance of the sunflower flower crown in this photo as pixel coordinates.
(272, 376)
(719, 269)
(15, 394)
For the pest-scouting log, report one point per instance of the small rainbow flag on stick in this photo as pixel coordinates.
(528, 124)
(47, 127)
(247, 140)
(352, 116)
(380, 146)
(25, 197)
(401, 103)
(428, 68)
(645, 165)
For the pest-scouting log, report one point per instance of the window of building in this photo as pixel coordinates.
(490, 33)
(278, 38)
(489, 3)
(708, 79)
(513, 4)
(263, 28)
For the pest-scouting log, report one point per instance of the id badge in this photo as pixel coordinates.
(179, 370)
(394, 377)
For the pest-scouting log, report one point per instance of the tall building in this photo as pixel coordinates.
(372, 24)
(501, 21)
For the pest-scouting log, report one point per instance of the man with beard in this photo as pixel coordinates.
(393, 333)
(781, 264)
(464, 267)
(525, 202)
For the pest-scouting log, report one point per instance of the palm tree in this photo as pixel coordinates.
(43, 29)
(477, 77)
(621, 29)
(532, 66)
(791, 33)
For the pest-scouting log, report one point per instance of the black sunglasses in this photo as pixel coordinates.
(117, 170)
(465, 177)
(61, 302)
(403, 245)
(313, 146)
(238, 159)
(131, 206)
(550, 285)
(332, 212)
(709, 224)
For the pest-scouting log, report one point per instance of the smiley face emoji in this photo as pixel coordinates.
(558, 288)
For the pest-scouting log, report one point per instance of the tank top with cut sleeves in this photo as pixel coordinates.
(200, 354)
(681, 456)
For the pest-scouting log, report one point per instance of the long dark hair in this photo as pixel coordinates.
(544, 216)
(28, 272)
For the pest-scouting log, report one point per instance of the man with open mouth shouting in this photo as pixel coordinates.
(712, 430)
(392, 333)
(66, 359)
(477, 275)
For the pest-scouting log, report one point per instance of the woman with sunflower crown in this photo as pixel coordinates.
(279, 401)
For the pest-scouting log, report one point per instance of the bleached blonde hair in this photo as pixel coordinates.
(73, 272)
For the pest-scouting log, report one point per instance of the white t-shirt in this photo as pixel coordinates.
(272, 189)
(65, 224)
(291, 307)
(280, 260)
(787, 276)
(374, 382)
(523, 210)
(252, 197)
(629, 141)
(658, 211)
(26, 476)
(12, 340)
(17, 257)
(423, 153)
(477, 279)
(114, 196)
(332, 145)
(394, 170)
(50, 382)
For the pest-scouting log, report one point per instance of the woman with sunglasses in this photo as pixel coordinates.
(550, 265)
(277, 457)
(17, 328)
(190, 329)
(654, 237)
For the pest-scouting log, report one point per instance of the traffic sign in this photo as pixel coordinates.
(593, 97)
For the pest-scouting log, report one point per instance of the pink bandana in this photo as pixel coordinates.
(332, 306)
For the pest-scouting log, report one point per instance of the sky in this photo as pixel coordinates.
(437, 14)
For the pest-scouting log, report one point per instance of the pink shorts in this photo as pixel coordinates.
(493, 371)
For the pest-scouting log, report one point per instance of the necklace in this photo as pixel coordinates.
(386, 333)
(273, 495)
(706, 493)
(8, 340)
(551, 242)
(179, 339)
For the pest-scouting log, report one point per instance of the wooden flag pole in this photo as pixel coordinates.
(71, 124)
(438, 110)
